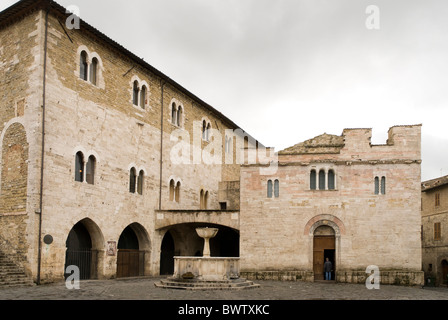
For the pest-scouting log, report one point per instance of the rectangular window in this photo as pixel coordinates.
(437, 231)
(437, 199)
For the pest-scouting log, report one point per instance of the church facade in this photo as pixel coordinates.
(110, 165)
(336, 197)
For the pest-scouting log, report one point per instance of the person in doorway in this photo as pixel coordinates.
(328, 267)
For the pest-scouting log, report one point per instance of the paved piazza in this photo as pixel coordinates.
(144, 289)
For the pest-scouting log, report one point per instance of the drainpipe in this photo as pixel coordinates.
(39, 256)
(162, 83)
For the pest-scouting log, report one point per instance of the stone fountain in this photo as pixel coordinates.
(206, 234)
(206, 272)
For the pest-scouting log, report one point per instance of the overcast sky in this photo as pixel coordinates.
(289, 70)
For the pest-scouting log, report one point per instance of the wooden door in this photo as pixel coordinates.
(128, 263)
(320, 244)
(444, 272)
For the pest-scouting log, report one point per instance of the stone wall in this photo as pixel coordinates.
(371, 229)
(20, 126)
(101, 120)
(434, 250)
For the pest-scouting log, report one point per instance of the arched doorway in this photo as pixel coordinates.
(130, 259)
(167, 255)
(79, 251)
(444, 272)
(324, 246)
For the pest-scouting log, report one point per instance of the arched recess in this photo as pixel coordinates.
(167, 251)
(182, 240)
(329, 225)
(14, 169)
(133, 253)
(85, 249)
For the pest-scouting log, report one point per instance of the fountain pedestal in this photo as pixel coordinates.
(206, 234)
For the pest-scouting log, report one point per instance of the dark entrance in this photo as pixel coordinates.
(444, 272)
(167, 255)
(323, 247)
(130, 261)
(79, 251)
(329, 253)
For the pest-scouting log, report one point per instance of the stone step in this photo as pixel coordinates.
(12, 275)
(206, 285)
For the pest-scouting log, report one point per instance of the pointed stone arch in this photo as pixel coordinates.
(134, 250)
(85, 249)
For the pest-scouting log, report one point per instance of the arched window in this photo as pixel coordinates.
(141, 176)
(171, 190)
(331, 185)
(83, 66)
(321, 179)
(206, 200)
(276, 188)
(93, 71)
(143, 97)
(173, 113)
(313, 180)
(135, 92)
(383, 185)
(179, 116)
(132, 178)
(201, 199)
(207, 132)
(269, 188)
(79, 167)
(177, 192)
(377, 185)
(90, 170)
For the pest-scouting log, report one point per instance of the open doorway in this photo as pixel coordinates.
(323, 247)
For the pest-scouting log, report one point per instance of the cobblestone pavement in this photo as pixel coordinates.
(144, 289)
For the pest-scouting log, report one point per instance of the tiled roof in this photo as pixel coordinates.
(324, 143)
(434, 183)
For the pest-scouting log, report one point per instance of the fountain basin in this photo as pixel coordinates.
(206, 268)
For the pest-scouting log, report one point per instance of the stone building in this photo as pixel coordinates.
(110, 165)
(434, 226)
(107, 163)
(336, 197)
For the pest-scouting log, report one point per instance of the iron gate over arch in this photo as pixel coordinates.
(79, 252)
